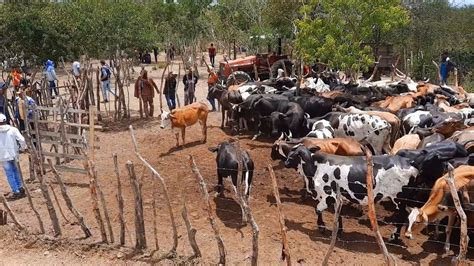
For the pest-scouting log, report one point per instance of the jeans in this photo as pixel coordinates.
(13, 175)
(52, 87)
(171, 101)
(106, 89)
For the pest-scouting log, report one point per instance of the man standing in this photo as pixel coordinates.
(76, 69)
(10, 137)
(3, 100)
(212, 54)
(170, 90)
(105, 74)
(190, 80)
(51, 76)
(22, 102)
(211, 82)
(155, 53)
(445, 67)
(144, 89)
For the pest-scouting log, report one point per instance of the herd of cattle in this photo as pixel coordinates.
(414, 130)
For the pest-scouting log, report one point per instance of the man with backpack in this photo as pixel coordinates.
(105, 75)
(145, 91)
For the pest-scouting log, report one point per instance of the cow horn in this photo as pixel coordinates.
(290, 136)
(282, 136)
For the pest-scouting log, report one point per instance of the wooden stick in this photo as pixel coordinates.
(30, 201)
(3, 217)
(161, 86)
(463, 241)
(50, 207)
(59, 205)
(91, 151)
(246, 208)
(211, 218)
(120, 202)
(140, 234)
(69, 204)
(157, 175)
(155, 224)
(371, 206)
(105, 210)
(91, 172)
(177, 85)
(285, 252)
(191, 232)
(335, 227)
(11, 213)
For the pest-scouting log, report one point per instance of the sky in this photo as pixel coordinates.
(462, 2)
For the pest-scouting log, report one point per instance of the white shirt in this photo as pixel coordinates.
(76, 68)
(9, 137)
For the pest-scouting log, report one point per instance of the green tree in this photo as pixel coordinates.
(337, 32)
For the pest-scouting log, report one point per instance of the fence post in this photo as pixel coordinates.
(11, 213)
(285, 253)
(335, 227)
(139, 221)
(95, 202)
(371, 212)
(120, 201)
(211, 218)
(463, 241)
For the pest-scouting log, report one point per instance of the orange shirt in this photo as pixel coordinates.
(16, 78)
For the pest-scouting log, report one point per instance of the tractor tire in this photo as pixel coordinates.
(240, 77)
(284, 64)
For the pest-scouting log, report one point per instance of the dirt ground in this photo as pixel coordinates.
(308, 246)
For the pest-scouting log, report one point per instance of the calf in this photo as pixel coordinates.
(322, 172)
(226, 98)
(321, 129)
(339, 146)
(433, 210)
(292, 121)
(184, 117)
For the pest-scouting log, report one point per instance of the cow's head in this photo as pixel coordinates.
(299, 154)
(417, 220)
(277, 148)
(165, 119)
(279, 123)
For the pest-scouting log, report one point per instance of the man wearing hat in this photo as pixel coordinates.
(22, 102)
(50, 74)
(11, 142)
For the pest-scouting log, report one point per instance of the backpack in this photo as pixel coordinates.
(107, 72)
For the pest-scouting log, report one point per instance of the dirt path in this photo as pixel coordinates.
(308, 245)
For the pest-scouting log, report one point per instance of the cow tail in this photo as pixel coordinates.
(365, 143)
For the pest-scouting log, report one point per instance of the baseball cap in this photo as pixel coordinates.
(3, 118)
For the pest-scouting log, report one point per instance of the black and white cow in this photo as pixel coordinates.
(291, 122)
(322, 172)
(362, 127)
(321, 129)
(227, 166)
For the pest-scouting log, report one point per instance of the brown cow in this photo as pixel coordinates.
(184, 117)
(434, 210)
(396, 103)
(410, 142)
(465, 138)
(338, 146)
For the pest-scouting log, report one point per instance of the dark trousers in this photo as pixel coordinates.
(52, 87)
(213, 59)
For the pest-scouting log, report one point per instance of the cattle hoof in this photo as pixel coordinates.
(322, 229)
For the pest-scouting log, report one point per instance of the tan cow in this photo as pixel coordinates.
(434, 210)
(409, 142)
(184, 117)
(396, 103)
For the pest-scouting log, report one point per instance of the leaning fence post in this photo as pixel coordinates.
(211, 218)
(139, 218)
(285, 253)
(172, 252)
(371, 213)
(91, 172)
(67, 199)
(463, 241)
(11, 213)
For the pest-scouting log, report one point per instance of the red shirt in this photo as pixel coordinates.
(212, 51)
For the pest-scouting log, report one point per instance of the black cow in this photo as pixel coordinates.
(227, 166)
(226, 99)
(291, 122)
(314, 106)
(324, 172)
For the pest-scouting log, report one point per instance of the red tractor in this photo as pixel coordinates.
(261, 66)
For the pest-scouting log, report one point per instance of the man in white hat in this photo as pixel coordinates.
(11, 142)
